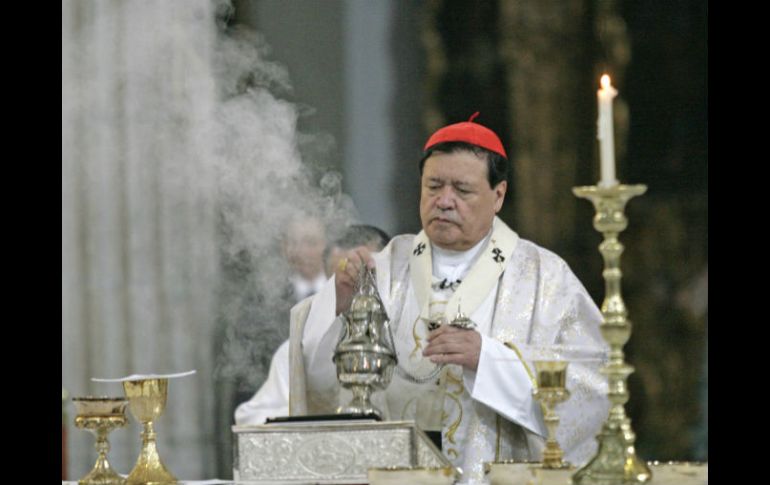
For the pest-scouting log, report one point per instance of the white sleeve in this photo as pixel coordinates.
(503, 383)
(272, 399)
(320, 317)
(319, 339)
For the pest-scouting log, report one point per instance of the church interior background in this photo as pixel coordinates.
(192, 130)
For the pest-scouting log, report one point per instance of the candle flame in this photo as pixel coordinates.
(606, 82)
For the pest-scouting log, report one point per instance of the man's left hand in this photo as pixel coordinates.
(452, 345)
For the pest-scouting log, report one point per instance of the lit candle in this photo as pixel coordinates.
(605, 132)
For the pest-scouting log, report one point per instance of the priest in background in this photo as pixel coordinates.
(303, 248)
(272, 398)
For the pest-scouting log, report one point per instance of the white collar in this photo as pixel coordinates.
(304, 288)
(453, 265)
(481, 276)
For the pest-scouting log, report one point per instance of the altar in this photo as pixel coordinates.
(330, 451)
(673, 473)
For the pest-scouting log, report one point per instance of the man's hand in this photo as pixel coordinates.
(452, 345)
(346, 275)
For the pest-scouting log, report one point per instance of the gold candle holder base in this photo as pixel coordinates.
(615, 461)
(147, 400)
(100, 415)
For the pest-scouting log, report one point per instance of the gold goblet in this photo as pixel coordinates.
(147, 400)
(551, 390)
(100, 415)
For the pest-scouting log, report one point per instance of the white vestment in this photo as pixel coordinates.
(272, 398)
(518, 294)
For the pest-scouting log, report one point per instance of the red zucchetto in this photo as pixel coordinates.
(468, 132)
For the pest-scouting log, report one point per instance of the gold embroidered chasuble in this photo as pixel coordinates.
(518, 294)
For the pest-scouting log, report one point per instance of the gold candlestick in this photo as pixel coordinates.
(615, 461)
(147, 400)
(551, 390)
(100, 415)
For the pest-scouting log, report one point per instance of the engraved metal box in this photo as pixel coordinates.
(329, 452)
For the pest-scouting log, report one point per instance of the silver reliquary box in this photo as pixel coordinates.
(329, 451)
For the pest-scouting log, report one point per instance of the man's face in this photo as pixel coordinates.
(304, 246)
(457, 205)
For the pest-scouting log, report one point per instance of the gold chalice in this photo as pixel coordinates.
(147, 400)
(100, 415)
(551, 390)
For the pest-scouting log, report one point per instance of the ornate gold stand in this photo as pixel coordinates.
(147, 400)
(100, 415)
(615, 461)
(551, 390)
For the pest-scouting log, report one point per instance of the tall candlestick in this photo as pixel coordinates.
(615, 460)
(605, 132)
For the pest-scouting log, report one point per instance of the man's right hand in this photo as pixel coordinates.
(346, 275)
